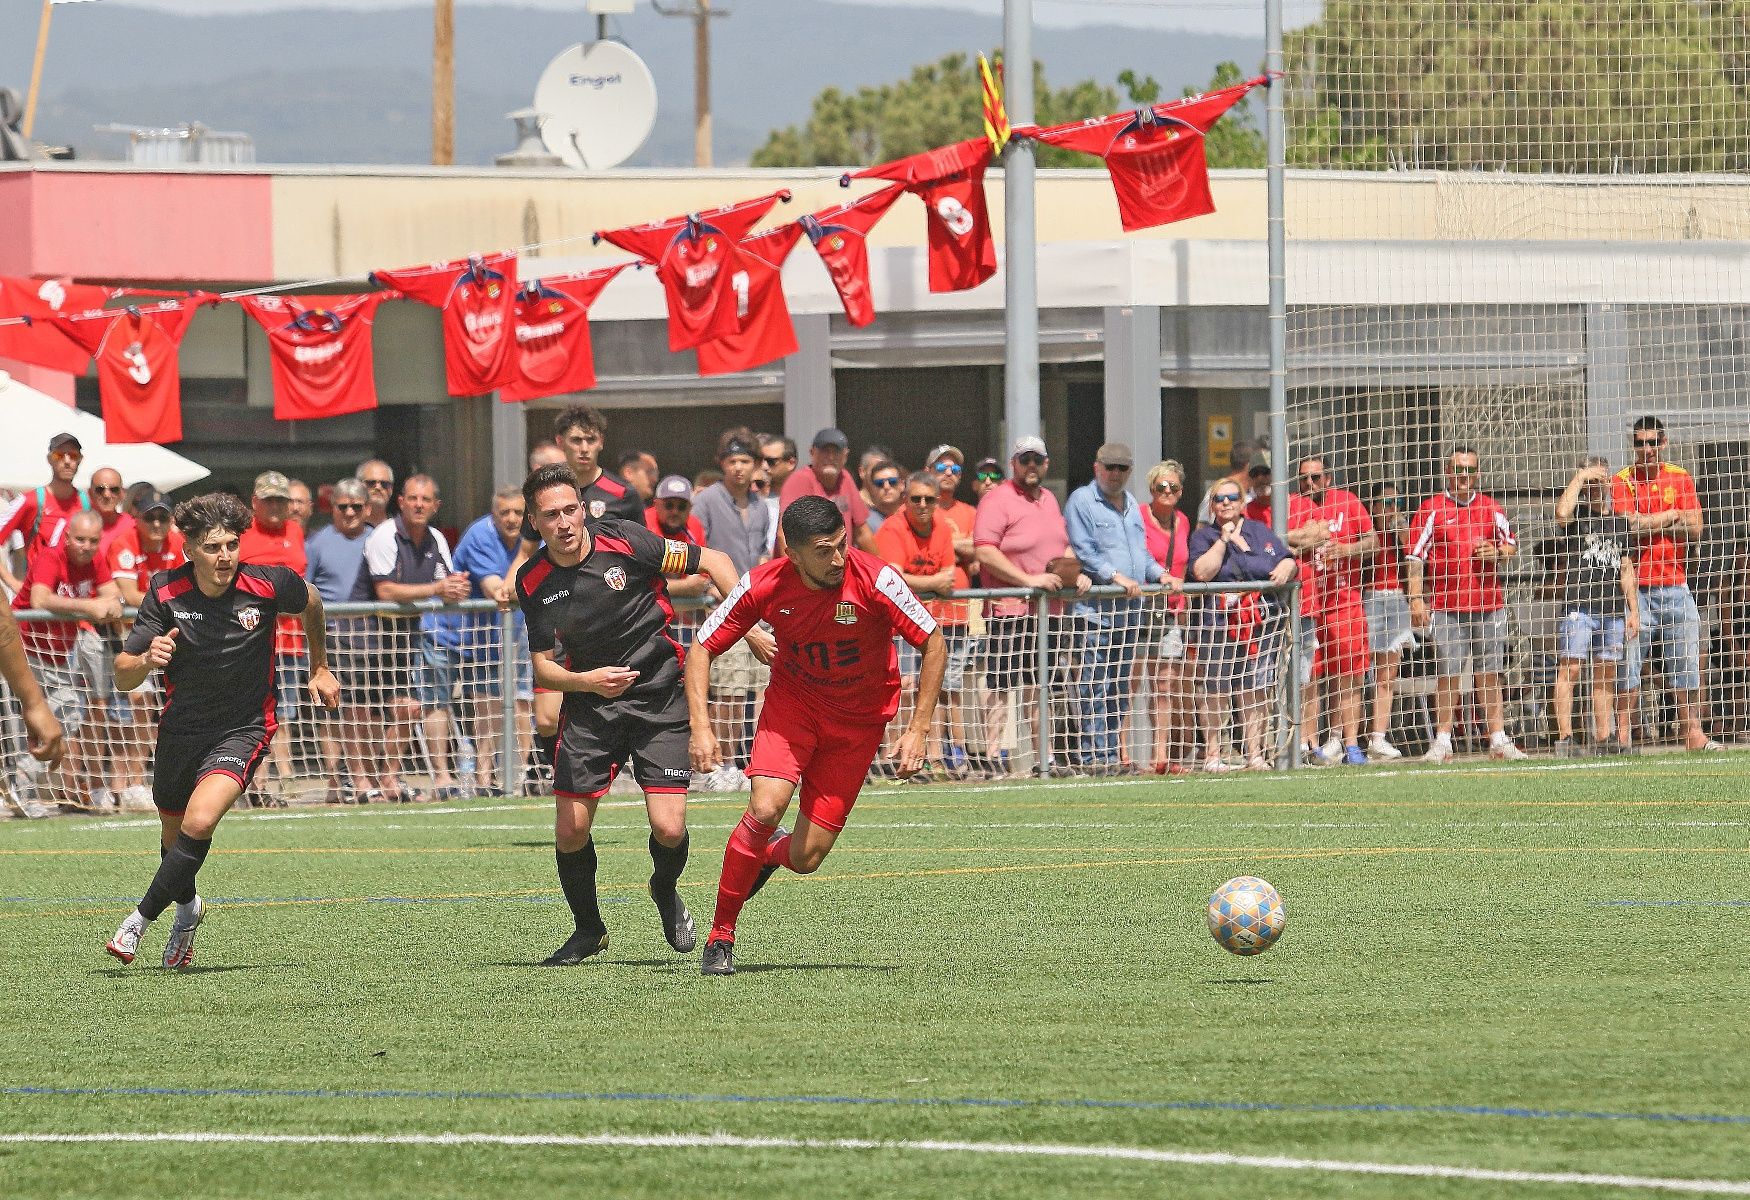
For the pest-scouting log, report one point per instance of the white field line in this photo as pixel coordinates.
(1709, 1187)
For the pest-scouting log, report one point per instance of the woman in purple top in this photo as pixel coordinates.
(1236, 637)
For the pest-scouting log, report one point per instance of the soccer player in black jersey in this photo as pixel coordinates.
(598, 615)
(209, 626)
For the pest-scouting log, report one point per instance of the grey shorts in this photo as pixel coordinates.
(1389, 629)
(736, 672)
(60, 684)
(1479, 637)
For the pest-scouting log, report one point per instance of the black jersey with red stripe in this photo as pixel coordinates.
(611, 609)
(221, 676)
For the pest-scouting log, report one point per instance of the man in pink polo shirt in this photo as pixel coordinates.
(1018, 533)
(826, 476)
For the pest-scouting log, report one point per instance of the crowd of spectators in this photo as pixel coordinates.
(423, 686)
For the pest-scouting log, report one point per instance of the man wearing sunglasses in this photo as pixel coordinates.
(378, 478)
(1457, 543)
(886, 493)
(41, 514)
(985, 476)
(335, 566)
(1106, 535)
(1341, 659)
(95, 648)
(152, 545)
(1659, 500)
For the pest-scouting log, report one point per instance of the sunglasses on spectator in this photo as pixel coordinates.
(989, 476)
(948, 468)
(385, 484)
(922, 500)
(156, 517)
(772, 460)
(886, 481)
(1311, 476)
(1652, 441)
(1464, 470)
(1390, 501)
(1167, 489)
(1119, 467)
(104, 489)
(349, 508)
(1226, 498)
(72, 454)
(1030, 459)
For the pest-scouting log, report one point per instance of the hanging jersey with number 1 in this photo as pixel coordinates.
(137, 376)
(840, 238)
(764, 333)
(320, 347)
(478, 299)
(950, 182)
(696, 258)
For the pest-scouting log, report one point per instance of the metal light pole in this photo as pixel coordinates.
(1020, 282)
(1275, 156)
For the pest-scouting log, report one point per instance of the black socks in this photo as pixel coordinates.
(667, 863)
(175, 878)
(577, 881)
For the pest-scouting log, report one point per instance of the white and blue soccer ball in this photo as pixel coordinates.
(1246, 915)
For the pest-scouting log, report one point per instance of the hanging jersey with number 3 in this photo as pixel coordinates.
(137, 376)
(764, 332)
(950, 182)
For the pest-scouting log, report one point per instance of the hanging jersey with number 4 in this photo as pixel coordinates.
(950, 182)
(137, 374)
(696, 258)
(764, 332)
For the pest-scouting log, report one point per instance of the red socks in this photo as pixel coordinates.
(777, 853)
(742, 859)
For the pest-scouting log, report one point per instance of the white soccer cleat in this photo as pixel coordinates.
(1439, 752)
(1333, 749)
(126, 942)
(1216, 766)
(1383, 750)
(179, 950)
(1508, 752)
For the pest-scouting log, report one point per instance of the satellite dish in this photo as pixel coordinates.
(599, 104)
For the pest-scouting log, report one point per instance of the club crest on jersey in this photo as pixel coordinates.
(597, 508)
(845, 614)
(615, 577)
(249, 618)
(835, 242)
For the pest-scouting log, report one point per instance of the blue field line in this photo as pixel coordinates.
(1460, 1110)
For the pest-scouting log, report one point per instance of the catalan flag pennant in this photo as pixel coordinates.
(996, 117)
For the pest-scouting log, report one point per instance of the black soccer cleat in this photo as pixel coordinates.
(579, 946)
(766, 873)
(677, 922)
(718, 959)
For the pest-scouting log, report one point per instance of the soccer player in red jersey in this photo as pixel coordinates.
(835, 685)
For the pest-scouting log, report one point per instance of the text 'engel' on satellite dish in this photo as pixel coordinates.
(597, 103)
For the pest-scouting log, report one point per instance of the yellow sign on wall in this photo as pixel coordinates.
(1219, 435)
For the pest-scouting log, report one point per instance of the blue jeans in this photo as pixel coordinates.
(1108, 651)
(1670, 627)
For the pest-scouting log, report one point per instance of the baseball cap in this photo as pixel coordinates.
(1115, 454)
(831, 439)
(65, 441)
(944, 451)
(271, 485)
(674, 487)
(151, 499)
(1024, 445)
(987, 463)
(1260, 463)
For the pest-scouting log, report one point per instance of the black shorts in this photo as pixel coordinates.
(183, 760)
(595, 739)
(1011, 652)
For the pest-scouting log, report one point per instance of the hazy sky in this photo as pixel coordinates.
(1225, 16)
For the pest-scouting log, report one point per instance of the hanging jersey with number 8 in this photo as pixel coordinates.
(950, 182)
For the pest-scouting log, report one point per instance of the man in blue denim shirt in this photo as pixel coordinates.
(1106, 534)
(484, 553)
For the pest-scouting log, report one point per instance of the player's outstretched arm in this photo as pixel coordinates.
(505, 592)
(916, 738)
(702, 745)
(324, 687)
(46, 737)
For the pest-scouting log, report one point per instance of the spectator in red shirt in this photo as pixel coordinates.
(273, 539)
(41, 514)
(152, 545)
(107, 494)
(948, 464)
(826, 476)
(1457, 543)
(1341, 660)
(1307, 536)
(670, 515)
(1389, 632)
(68, 579)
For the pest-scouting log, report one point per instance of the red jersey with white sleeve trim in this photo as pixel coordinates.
(1154, 155)
(696, 258)
(1385, 565)
(42, 528)
(835, 645)
(42, 343)
(553, 353)
(50, 641)
(1340, 580)
(764, 332)
(840, 238)
(950, 182)
(478, 299)
(1659, 555)
(1445, 536)
(137, 377)
(320, 347)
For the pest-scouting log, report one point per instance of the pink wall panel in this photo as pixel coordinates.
(149, 226)
(15, 223)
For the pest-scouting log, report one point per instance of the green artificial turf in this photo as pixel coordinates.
(1519, 969)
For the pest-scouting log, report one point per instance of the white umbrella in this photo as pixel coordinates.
(29, 418)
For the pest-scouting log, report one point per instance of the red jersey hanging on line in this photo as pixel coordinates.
(950, 182)
(478, 299)
(553, 354)
(137, 376)
(1155, 155)
(323, 365)
(765, 333)
(42, 343)
(840, 238)
(696, 258)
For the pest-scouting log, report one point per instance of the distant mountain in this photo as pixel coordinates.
(326, 85)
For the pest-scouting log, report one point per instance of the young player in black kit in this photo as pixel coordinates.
(598, 617)
(209, 625)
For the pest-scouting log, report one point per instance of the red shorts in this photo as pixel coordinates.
(828, 758)
(1342, 642)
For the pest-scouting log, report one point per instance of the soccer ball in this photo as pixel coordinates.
(1245, 915)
